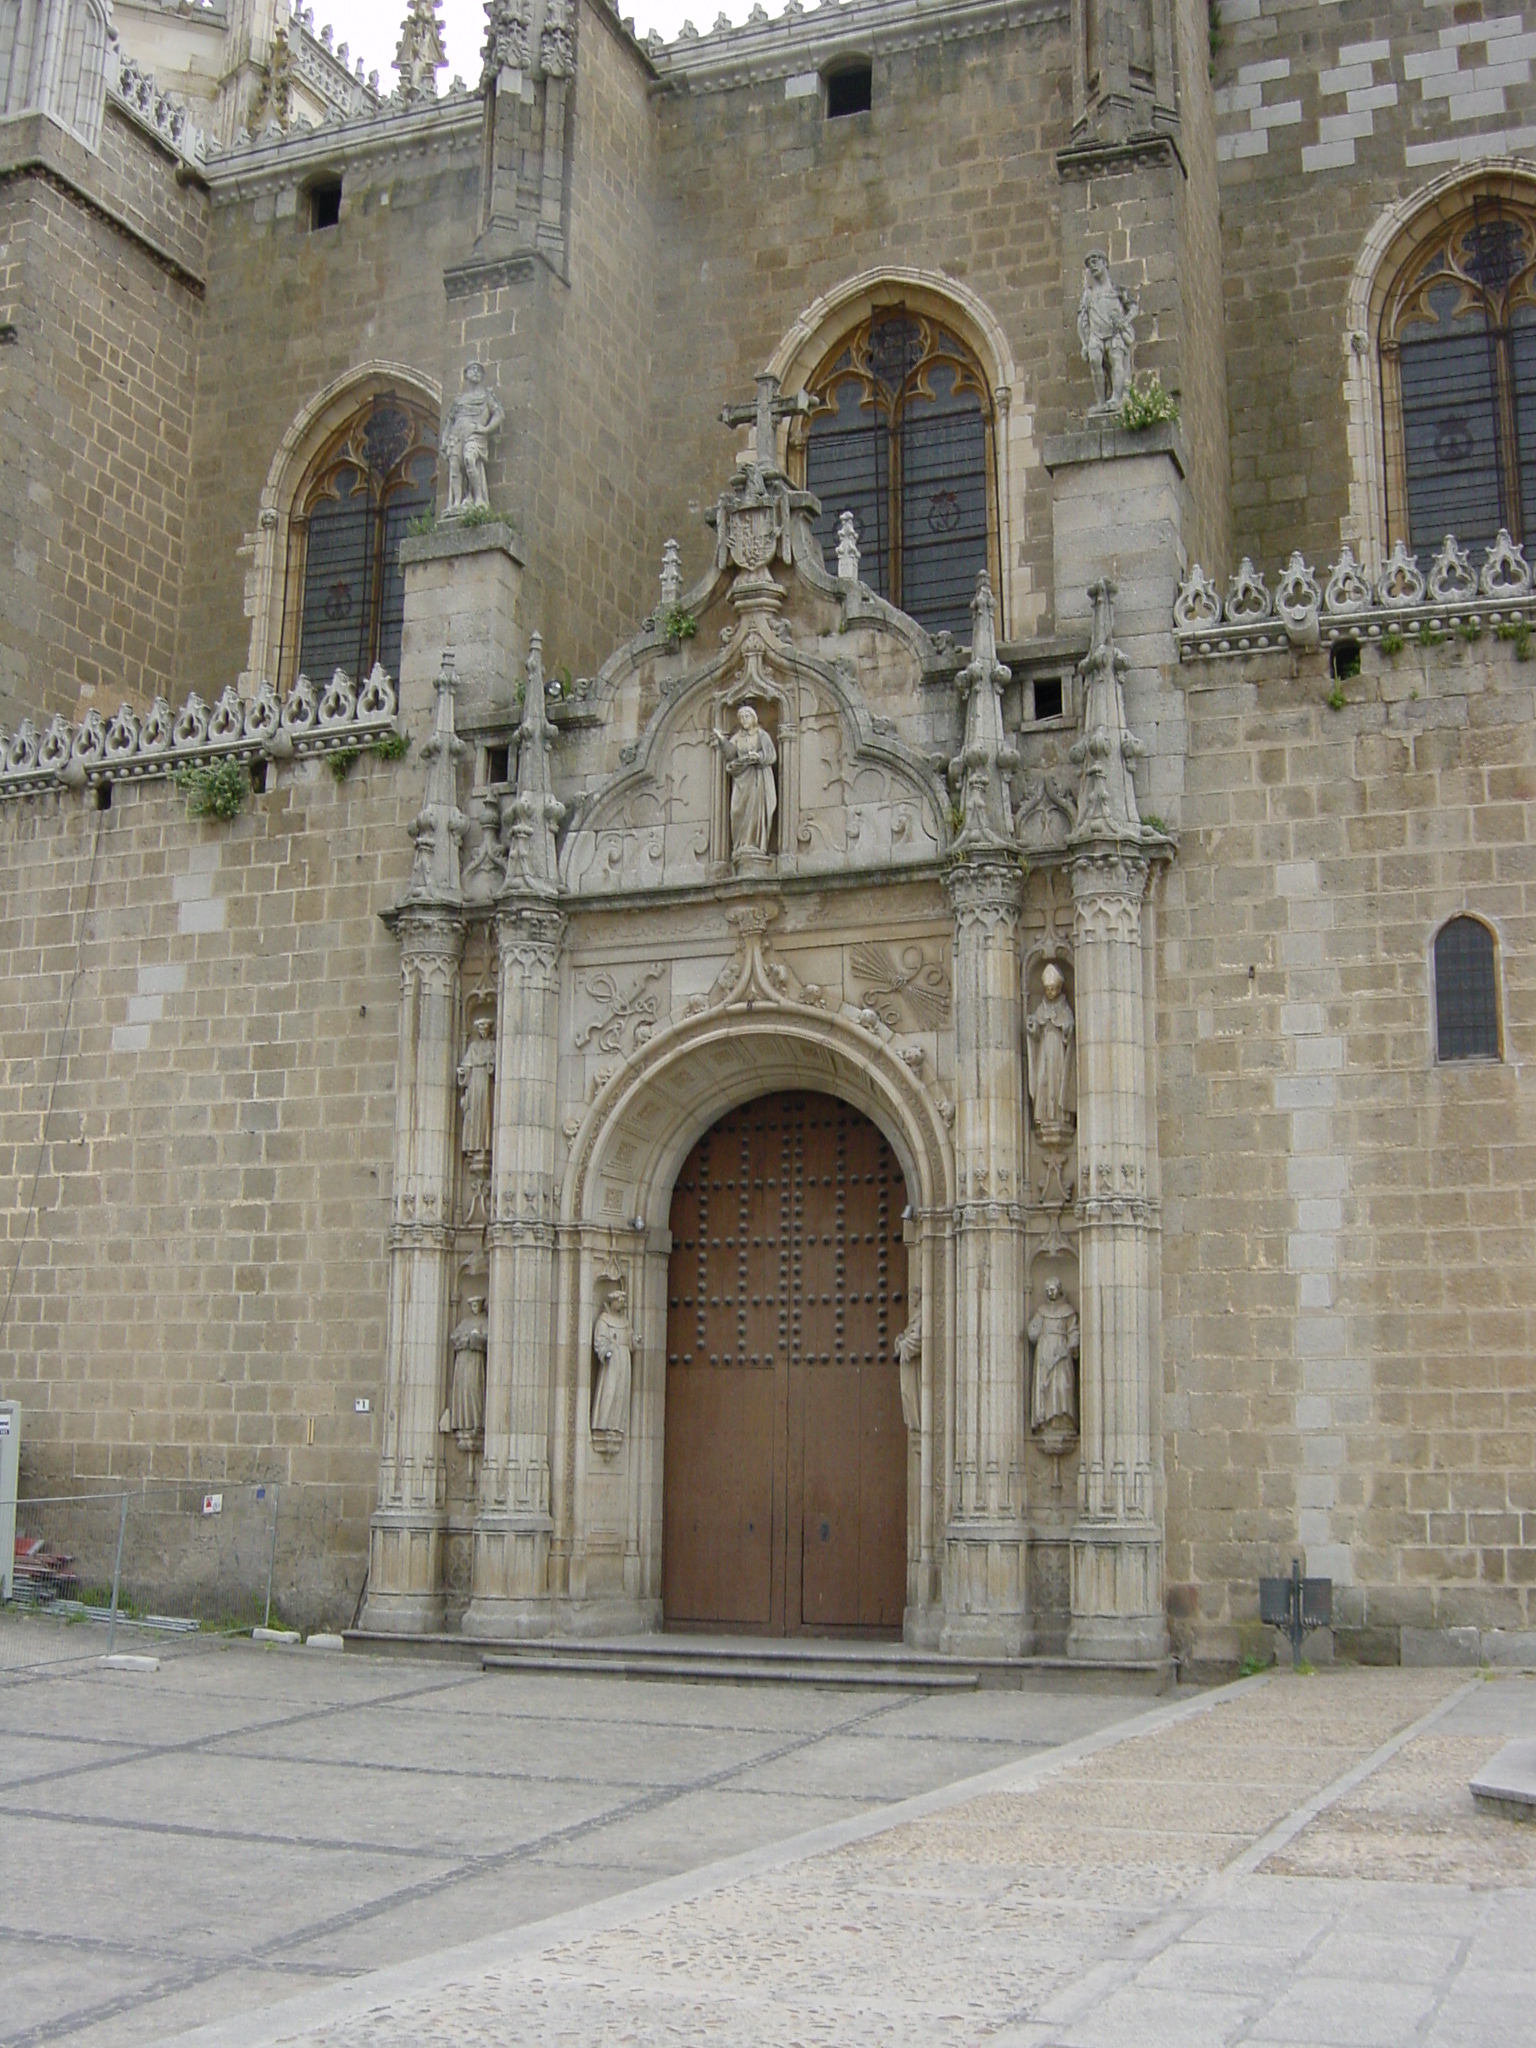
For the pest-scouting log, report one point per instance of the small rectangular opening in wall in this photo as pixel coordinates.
(324, 204)
(1047, 697)
(850, 90)
(103, 796)
(258, 778)
(496, 764)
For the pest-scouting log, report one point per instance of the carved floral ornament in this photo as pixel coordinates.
(1351, 604)
(131, 746)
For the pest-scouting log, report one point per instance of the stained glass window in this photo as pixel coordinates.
(347, 590)
(1466, 992)
(1459, 383)
(901, 437)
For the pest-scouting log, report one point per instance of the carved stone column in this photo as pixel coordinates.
(510, 1590)
(405, 1550)
(1117, 1543)
(985, 1574)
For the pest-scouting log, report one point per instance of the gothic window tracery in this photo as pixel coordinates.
(345, 601)
(901, 436)
(1458, 361)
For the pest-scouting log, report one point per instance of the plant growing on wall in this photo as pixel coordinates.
(1147, 404)
(217, 789)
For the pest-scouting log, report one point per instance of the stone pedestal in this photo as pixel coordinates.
(985, 1576)
(463, 586)
(510, 1593)
(405, 1553)
(1119, 508)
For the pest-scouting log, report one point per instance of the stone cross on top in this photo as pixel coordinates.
(763, 416)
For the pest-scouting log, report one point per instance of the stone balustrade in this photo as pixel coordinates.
(135, 747)
(1401, 599)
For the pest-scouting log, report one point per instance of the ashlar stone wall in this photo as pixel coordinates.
(1349, 1227)
(199, 1270)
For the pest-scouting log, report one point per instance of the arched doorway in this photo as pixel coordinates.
(784, 1491)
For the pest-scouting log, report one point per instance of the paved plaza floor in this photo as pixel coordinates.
(278, 1846)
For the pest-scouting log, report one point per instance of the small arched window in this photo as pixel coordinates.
(345, 593)
(901, 436)
(1458, 362)
(1466, 992)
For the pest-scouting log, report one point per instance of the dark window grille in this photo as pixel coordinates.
(1459, 383)
(901, 438)
(1466, 992)
(347, 588)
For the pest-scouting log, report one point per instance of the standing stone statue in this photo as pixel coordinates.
(476, 1071)
(909, 1356)
(1106, 327)
(613, 1348)
(1053, 1330)
(1049, 1028)
(472, 419)
(750, 757)
(464, 1417)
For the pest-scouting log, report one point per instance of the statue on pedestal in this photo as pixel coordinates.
(1106, 328)
(750, 757)
(909, 1356)
(464, 1417)
(1049, 1029)
(613, 1350)
(1054, 1332)
(472, 419)
(476, 1072)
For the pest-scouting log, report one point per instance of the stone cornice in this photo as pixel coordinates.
(790, 45)
(281, 159)
(34, 145)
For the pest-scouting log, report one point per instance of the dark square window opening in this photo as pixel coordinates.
(850, 91)
(1047, 697)
(324, 204)
(497, 768)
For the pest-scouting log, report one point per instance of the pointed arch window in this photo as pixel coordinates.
(344, 600)
(901, 436)
(1458, 364)
(1466, 991)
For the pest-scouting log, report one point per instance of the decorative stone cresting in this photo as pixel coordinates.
(1402, 600)
(131, 747)
(134, 88)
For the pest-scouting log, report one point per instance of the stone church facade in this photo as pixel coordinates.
(766, 810)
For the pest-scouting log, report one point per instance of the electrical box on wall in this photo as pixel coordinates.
(10, 1465)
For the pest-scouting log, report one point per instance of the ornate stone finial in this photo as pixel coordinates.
(847, 549)
(439, 827)
(762, 416)
(1106, 328)
(272, 107)
(507, 24)
(980, 771)
(1106, 747)
(557, 43)
(671, 576)
(535, 814)
(472, 419)
(420, 54)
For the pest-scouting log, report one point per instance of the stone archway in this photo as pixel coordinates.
(615, 1211)
(784, 1497)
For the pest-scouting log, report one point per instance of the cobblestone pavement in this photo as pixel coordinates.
(211, 1838)
(1294, 1861)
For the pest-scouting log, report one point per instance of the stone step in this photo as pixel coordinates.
(838, 1672)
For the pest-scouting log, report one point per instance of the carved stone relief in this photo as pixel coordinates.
(626, 1007)
(902, 985)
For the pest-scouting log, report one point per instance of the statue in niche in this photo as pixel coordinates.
(472, 419)
(476, 1072)
(613, 1350)
(464, 1417)
(1106, 328)
(1049, 1029)
(909, 1356)
(1054, 1332)
(750, 758)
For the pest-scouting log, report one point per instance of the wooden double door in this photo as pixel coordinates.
(785, 1478)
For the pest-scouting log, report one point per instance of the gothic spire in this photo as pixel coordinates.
(1106, 747)
(421, 53)
(980, 771)
(535, 813)
(440, 825)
